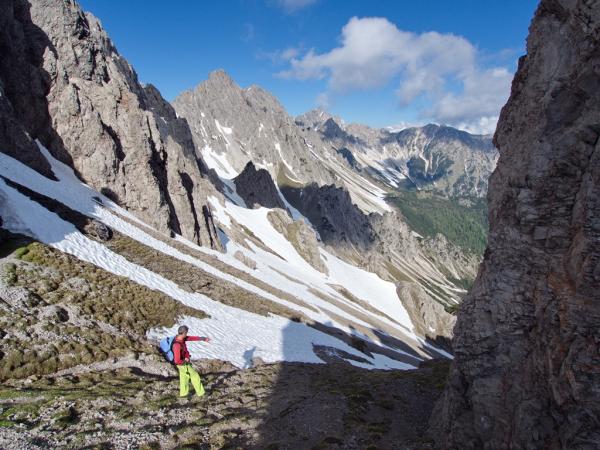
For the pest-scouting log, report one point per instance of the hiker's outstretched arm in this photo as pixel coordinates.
(198, 338)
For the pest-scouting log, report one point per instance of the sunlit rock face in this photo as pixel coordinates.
(63, 82)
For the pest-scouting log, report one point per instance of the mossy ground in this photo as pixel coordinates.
(75, 313)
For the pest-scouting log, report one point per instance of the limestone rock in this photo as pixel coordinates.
(248, 262)
(63, 82)
(433, 157)
(247, 125)
(333, 214)
(301, 236)
(526, 343)
(429, 317)
(98, 230)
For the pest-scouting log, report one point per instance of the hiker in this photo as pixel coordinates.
(181, 358)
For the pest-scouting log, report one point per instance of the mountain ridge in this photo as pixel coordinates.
(433, 157)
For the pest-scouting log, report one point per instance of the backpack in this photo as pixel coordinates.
(166, 348)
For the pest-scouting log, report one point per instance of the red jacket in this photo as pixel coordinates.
(180, 351)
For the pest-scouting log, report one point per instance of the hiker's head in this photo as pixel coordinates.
(182, 331)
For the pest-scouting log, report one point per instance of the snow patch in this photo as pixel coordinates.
(218, 162)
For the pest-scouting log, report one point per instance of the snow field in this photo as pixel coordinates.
(236, 332)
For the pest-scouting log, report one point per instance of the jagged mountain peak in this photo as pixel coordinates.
(84, 102)
(318, 116)
(444, 135)
(220, 76)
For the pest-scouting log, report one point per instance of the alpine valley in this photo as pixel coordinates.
(326, 260)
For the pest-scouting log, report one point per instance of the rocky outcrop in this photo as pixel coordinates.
(429, 272)
(256, 188)
(23, 86)
(340, 223)
(301, 236)
(451, 260)
(526, 369)
(250, 124)
(65, 84)
(428, 317)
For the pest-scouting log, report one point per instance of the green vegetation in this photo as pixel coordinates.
(22, 251)
(76, 313)
(9, 274)
(451, 309)
(193, 279)
(429, 214)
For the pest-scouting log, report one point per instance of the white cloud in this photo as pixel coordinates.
(280, 56)
(323, 101)
(477, 107)
(291, 6)
(442, 68)
(399, 126)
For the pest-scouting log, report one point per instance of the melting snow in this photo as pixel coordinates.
(218, 162)
(288, 165)
(222, 129)
(235, 332)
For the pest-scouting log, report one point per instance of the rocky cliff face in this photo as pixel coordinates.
(256, 187)
(384, 244)
(65, 84)
(527, 342)
(232, 126)
(246, 125)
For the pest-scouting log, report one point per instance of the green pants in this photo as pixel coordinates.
(187, 374)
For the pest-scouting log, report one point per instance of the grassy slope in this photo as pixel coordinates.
(429, 214)
(265, 407)
(74, 313)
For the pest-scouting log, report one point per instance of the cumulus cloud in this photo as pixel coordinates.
(441, 68)
(279, 57)
(323, 101)
(291, 6)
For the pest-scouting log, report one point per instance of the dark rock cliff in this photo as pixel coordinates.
(256, 187)
(527, 339)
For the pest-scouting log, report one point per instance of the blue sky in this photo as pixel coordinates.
(379, 62)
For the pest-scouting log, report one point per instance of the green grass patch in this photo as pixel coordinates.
(451, 309)
(96, 296)
(9, 274)
(429, 214)
(21, 251)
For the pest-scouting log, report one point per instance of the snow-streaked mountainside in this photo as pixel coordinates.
(432, 157)
(338, 191)
(232, 126)
(302, 254)
(312, 294)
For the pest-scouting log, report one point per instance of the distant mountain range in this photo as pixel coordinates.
(433, 157)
